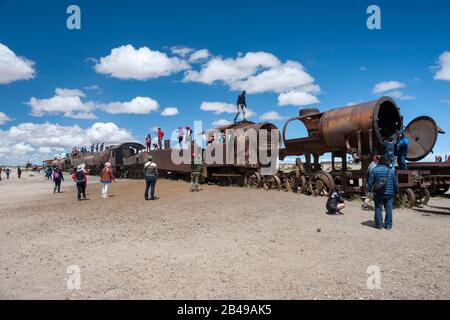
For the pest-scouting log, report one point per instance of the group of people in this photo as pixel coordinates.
(382, 185)
(382, 188)
(98, 147)
(183, 135)
(79, 176)
(7, 171)
(439, 158)
(397, 149)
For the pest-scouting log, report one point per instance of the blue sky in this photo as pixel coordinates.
(286, 54)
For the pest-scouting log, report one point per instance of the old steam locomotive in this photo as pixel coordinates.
(357, 130)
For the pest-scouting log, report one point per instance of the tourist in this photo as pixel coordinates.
(80, 178)
(160, 137)
(106, 177)
(402, 151)
(389, 148)
(180, 136)
(57, 178)
(196, 165)
(335, 203)
(384, 186)
(148, 142)
(150, 174)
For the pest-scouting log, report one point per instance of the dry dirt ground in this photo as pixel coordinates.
(220, 243)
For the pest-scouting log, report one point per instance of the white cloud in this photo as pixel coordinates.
(447, 101)
(271, 115)
(139, 105)
(199, 55)
(65, 101)
(37, 142)
(220, 123)
(13, 68)
(259, 72)
(126, 62)
(169, 111)
(181, 51)
(230, 70)
(4, 118)
(218, 107)
(92, 87)
(443, 71)
(300, 97)
(387, 86)
(281, 78)
(400, 95)
(222, 107)
(363, 68)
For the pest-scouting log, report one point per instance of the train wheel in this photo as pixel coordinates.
(424, 196)
(290, 182)
(272, 182)
(320, 184)
(254, 180)
(409, 197)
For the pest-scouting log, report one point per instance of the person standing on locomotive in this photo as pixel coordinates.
(241, 105)
(150, 174)
(180, 136)
(389, 148)
(188, 138)
(402, 150)
(148, 142)
(160, 137)
(384, 186)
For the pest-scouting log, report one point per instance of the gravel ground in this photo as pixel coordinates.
(219, 243)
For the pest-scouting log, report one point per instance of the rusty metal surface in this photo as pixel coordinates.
(422, 133)
(362, 126)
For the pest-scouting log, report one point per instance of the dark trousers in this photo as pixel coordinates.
(160, 143)
(401, 159)
(81, 187)
(386, 201)
(150, 182)
(57, 186)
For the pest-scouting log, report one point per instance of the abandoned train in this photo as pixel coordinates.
(358, 130)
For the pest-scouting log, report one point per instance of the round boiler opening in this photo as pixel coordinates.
(388, 119)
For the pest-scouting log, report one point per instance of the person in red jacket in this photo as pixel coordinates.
(106, 177)
(160, 138)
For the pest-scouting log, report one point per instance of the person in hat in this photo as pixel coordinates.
(106, 177)
(150, 174)
(80, 178)
(241, 105)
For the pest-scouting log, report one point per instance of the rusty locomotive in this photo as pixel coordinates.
(357, 130)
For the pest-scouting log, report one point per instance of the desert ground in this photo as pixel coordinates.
(219, 243)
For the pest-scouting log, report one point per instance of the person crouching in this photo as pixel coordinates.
(335, 202)
(106, 177)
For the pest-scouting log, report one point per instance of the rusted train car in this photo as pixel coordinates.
(357, 130)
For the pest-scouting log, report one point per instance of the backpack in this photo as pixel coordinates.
(379, 187)
(56, 175)
(80, 176)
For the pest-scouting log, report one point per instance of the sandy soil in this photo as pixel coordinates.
(222, 242)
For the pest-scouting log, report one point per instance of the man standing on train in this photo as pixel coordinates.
(241, 105)
(402, 150)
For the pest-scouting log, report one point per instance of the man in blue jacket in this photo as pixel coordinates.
(402, 150)
(385, 197)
